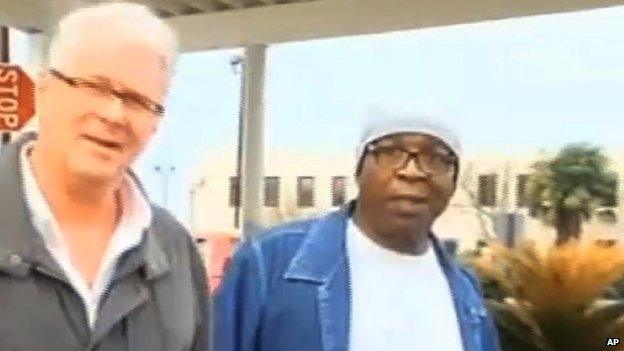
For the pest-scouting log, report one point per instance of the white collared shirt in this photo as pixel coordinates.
(135, 219)
(398, 302)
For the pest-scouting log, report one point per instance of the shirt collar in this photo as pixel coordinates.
(21, 245)
(363, 246)
(135, 219)
(35, 201)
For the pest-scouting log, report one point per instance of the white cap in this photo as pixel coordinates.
(386, 127)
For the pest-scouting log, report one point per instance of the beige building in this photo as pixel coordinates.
(302, 184)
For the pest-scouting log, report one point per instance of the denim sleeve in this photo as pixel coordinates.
(238, 302)
(489, 333)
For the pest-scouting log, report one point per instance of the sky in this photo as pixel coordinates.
(512, 86)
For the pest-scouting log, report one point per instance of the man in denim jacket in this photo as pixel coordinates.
(371, 276)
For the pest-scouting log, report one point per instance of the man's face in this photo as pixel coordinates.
(401, 200)
(94, 134)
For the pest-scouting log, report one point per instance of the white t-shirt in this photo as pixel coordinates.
(399, 302)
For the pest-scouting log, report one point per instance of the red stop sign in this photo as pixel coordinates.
(17, 97)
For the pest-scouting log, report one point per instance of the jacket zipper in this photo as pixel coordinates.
(101, 299)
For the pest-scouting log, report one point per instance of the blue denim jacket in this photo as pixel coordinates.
(288, 289)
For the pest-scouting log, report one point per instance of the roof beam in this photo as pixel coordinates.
(304, 20)
(237, 4)
(336, 18)
(204, 5)
(172, 6)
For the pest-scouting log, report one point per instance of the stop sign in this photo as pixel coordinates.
(17, 97)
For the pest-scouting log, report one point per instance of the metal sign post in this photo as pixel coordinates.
(4, 58)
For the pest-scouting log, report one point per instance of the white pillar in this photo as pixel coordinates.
(37, 59)
(37, 51)
(38, 43)
(253, 138)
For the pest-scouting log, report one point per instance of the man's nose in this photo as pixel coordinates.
(412, 169)
(112, 109)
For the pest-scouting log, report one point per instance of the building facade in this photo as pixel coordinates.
(303, 184)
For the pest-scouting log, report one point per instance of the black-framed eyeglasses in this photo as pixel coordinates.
(429, 162)
(133, 100)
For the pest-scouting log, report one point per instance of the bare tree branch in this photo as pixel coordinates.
(482, 215)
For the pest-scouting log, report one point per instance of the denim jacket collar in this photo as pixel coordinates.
(321, 259)
(323, 249)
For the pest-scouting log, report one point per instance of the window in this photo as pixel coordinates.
(271, 191)
(305, 191)
(522, 190)
(487, 189)
(234, 192)
(338, 190)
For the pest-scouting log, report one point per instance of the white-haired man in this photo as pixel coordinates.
(86, 261)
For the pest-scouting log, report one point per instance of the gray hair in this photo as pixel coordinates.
(129, 20)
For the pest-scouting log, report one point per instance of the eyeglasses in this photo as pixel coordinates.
(133, 100)
(429, 162)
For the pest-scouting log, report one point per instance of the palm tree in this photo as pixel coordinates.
(566, 189)
(559, 299)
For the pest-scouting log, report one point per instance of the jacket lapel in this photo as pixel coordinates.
(131, 284)
(321, 260)
(21, 247)
(334, 306)
(469, 310)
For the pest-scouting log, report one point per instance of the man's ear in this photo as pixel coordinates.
(357, 174)
(156, 123)
(455, 177)
(358, 169)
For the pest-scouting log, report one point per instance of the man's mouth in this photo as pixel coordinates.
(408, 204)
(410, 198)
(103, 142)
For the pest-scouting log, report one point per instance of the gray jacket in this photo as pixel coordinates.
(156, 302)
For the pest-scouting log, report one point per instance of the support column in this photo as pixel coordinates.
(37, 51)
(37, 59)
(253, 138)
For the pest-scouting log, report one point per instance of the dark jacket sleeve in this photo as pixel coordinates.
(203, 337)
(238, 301)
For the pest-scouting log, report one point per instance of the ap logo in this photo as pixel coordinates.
(613, 341)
